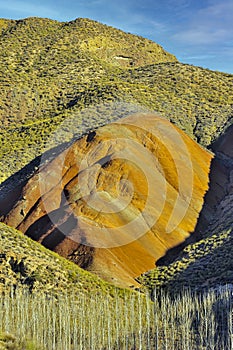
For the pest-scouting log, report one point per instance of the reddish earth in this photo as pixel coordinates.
(217, 212)
(117, 199)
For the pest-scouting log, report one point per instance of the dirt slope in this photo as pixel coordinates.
(117, 199)
(207, 261)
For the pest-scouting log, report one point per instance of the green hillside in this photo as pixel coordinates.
(51, 71)
(198, 100)
(202, 265)
(28, 265)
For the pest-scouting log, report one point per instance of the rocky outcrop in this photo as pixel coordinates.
(117, 199)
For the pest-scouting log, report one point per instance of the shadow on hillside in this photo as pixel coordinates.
(207, 271)
(218, 189)
(10, 189)
(205, 217)
(222, 310)
(216, 323)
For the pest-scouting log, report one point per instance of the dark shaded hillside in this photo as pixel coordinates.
(50, 71)
(208, 262)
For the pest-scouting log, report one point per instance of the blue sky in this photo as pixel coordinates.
(197, 32)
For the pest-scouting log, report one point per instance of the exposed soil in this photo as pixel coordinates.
(106, 202)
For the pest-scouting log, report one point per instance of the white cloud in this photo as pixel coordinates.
(198, 57)
(219, 9)
(209, 25)
(202, 35)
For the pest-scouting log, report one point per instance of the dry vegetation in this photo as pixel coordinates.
(59, 306)
(198, 100)
(202, 265)
(186, 321)
(11, 342)
(50, 71)
(27, 264)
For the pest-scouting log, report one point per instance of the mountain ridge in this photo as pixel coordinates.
(50, 76)
(46, 78)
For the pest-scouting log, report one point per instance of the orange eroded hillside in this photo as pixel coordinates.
(118, 198)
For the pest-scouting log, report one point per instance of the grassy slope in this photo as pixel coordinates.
(204, 264)
(50, 71)
(27, 264)
(198, 100)
(10, 342)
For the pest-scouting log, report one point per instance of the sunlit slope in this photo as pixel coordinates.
(27, 264)
(207, 263)
(50, 71)
(117, 199)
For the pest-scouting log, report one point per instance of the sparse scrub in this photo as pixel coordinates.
(60, 306)
(10, 342)
(203, 264)
(50, 71)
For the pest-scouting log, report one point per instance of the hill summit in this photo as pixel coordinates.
(51, 71)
